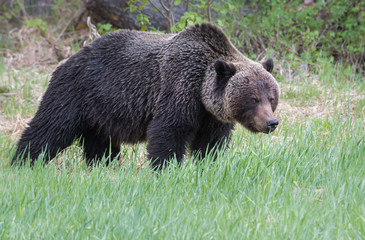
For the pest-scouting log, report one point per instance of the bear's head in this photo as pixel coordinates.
(243, 92)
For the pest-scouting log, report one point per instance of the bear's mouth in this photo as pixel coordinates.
(254, 129)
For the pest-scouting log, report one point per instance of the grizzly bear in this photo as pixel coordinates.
(171, 90)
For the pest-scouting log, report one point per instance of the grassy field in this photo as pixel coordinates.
(304, 181)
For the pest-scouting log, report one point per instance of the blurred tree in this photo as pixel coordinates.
(158, 13)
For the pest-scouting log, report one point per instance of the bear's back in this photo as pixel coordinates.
(132, 39)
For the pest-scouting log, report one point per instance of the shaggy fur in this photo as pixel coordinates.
(171, 90)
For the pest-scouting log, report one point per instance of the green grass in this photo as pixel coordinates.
(22, 91)
(304, 181)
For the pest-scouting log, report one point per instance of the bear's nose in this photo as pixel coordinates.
(272, 124)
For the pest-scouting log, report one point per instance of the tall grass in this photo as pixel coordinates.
(299, 183)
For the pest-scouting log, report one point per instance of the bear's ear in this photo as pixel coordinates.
(223, 68)
(224, 72)
(268, 65)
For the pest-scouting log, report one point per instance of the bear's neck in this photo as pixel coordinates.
(213, 99)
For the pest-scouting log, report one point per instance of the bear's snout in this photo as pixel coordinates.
(271, 125)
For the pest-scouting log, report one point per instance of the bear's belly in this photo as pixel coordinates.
(122, 125)
(128, 130)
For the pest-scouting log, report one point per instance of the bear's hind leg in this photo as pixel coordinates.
(96, 146)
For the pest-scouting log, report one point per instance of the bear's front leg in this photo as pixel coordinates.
(177, 113)
(166, 141)
(212, 135)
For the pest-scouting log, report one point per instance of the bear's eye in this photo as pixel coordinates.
(254, 100)
(272, 101)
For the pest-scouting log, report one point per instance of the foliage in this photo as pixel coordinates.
(333, 28)
(142, 19)
(37, 23)
(258, 27)
(188, 19)
(9, 11)
(105, 28)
